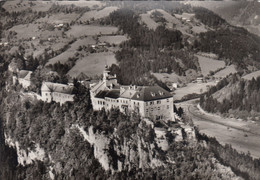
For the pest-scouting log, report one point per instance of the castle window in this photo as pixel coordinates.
(168, 106)
(151, 103)
(158, 108)
(161, 93)
(147, 110)
(117, 100)
(158, 102)
(151, 109)
(46, 94)
(153, 94)
(167, 100)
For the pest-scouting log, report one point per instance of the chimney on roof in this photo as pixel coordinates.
(111, 86)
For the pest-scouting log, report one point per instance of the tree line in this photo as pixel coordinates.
(245, 98)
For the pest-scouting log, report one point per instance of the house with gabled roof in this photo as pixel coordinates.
(149, 101)
(56, 92)
(23, 77)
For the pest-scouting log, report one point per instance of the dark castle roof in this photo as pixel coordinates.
(115, 93)
(150, 93)
(141, 93)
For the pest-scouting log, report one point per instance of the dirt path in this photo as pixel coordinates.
(242, 135)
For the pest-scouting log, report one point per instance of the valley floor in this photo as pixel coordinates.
(242, 135)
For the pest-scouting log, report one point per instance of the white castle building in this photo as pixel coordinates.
(60, 93)
(150, 101)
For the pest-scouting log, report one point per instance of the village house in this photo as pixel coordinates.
(23, 77)
(149, 101)
(56, 92)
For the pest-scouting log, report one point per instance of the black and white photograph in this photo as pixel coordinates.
(130, 90)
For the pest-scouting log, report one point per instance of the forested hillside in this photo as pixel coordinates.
(40, 140)
(236, 45)
(169, 50)
(149, 50)
(234, 95)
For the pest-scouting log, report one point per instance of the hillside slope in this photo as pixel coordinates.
(239, 13)
(234, 96)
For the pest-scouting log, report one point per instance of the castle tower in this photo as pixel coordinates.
(106, 74)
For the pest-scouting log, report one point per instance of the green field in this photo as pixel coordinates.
(208, 64)
(23, 5)
(90, 4)
(93, 64)
(25, 31)
(113, 39)
(252, 75)
(63, 57)
(90, 30)
(97, 14)
(59, 18)
(226, 71)
(191, 88)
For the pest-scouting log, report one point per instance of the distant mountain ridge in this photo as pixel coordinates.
(239, 13)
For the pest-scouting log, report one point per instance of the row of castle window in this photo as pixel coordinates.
(135, 103)
(64, 96)
(121, 101)
(159, 108)
(101, 102)
(153, 102)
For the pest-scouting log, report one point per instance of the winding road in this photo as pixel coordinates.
(205, 118)
(242, 135)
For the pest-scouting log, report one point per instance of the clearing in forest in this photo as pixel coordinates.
(113, 39)
(91, 30)
(224, 72)
(63, 57)
(97, 14)
(252, 75)
(208, 64)
(93, 64)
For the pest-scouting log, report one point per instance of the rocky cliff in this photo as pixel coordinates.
(71, 142)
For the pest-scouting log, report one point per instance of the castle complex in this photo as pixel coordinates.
(149, 101)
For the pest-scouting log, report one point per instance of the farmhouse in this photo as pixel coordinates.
(149, 101)
(60, 93)
(23, 77)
